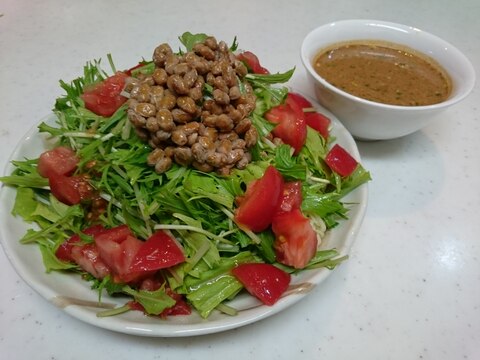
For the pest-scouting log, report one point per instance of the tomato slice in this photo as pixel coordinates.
(118, 253)
(260, 202)
(58, 161)
(89, 259)
(116, 234)
(300, 100)
(319, 122)
(252, 62)
(118, 247)
(64, 251)
(295, 239)
(291, 197)
(111, 253)
(57, 165)
(340, 161)
(181, 307)
(264, 281)
(104, 98)
(70, 190)
(158, 252)
(86, 256)
(291, 126)
(315, 120)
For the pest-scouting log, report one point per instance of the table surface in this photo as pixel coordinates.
(411, 288)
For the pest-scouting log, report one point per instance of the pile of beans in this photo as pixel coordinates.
(194, 109)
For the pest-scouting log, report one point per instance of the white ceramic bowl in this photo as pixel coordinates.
(368, 120)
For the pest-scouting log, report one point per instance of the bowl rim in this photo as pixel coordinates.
(453, 51)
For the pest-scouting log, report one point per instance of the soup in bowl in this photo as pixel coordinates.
(384, 80)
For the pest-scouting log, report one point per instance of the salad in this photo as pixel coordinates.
(185, 181)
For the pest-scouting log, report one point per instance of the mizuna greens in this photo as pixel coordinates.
(197, 208)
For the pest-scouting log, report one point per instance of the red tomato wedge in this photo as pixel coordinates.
(295, 239)
(291, 126)
(315, 120)
(319, 122)
(258, 205)
(252, 62)
(158, 252)
(181, 307)
(64, 251)
(89, 259)
(301, 101)
(291, 197)
(70, 190)
(58, 161)
(104, 98)
(118, 247)
(118, 253)
(340, 161)
(264, 281)
(57, 165)
(116, 235)
(86, 256)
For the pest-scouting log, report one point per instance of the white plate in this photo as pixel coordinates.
(64, 290)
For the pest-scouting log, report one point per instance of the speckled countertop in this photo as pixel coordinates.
(411, 289)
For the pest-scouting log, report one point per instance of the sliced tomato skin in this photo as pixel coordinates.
(295, 239)
(181, 307)
(89, 259)
(116, 234)
(58, 161)
(252, 62)
(64, 251)
(86, 256)
(260, 202)
(301, 101)
(319, 122)
(158, 252)
(291, 126)
(70, 190)
(104, 98)
(291, 197)
(315, 120)
(57, 165)
(264, 281)
(111, 253)
(118, 247)
(340, 161)
(122, 273)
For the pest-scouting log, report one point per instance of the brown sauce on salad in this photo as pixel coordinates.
(384, 72)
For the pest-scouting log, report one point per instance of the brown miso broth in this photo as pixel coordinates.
(384, 72)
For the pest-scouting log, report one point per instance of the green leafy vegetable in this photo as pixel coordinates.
(195, 207)
(154, 302)
(269, 79)
(189, 40)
